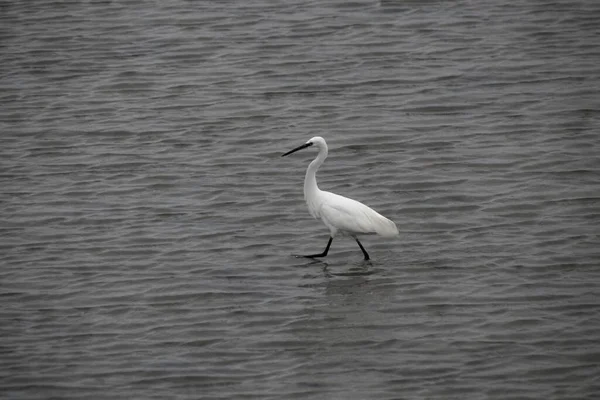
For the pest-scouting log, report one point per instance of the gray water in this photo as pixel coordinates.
(148, 221)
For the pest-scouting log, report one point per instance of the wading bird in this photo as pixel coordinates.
(340, 214)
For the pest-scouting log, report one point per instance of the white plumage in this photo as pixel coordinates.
(340, 214)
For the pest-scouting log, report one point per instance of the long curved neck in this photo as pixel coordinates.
(310, 180)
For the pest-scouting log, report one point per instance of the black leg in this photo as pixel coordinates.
(324, 253)
(362, 248)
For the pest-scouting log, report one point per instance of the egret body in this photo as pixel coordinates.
(340, 214)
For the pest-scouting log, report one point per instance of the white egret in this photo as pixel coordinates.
(340, 214)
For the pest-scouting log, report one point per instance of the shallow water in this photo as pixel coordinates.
(148, 220)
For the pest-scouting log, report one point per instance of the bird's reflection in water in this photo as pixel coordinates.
(363, 268)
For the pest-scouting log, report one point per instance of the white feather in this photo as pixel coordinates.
(349, 216)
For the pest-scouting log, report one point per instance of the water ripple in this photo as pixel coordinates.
(148, 221)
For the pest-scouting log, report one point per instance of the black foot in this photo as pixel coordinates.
(323, 254)
(367, 258)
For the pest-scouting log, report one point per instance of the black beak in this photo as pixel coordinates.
(305, 145)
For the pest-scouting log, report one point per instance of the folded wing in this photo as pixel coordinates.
(344, 214)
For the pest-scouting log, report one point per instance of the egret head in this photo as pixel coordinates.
(318, 141)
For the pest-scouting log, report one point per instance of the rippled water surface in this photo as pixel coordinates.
(148, 221)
